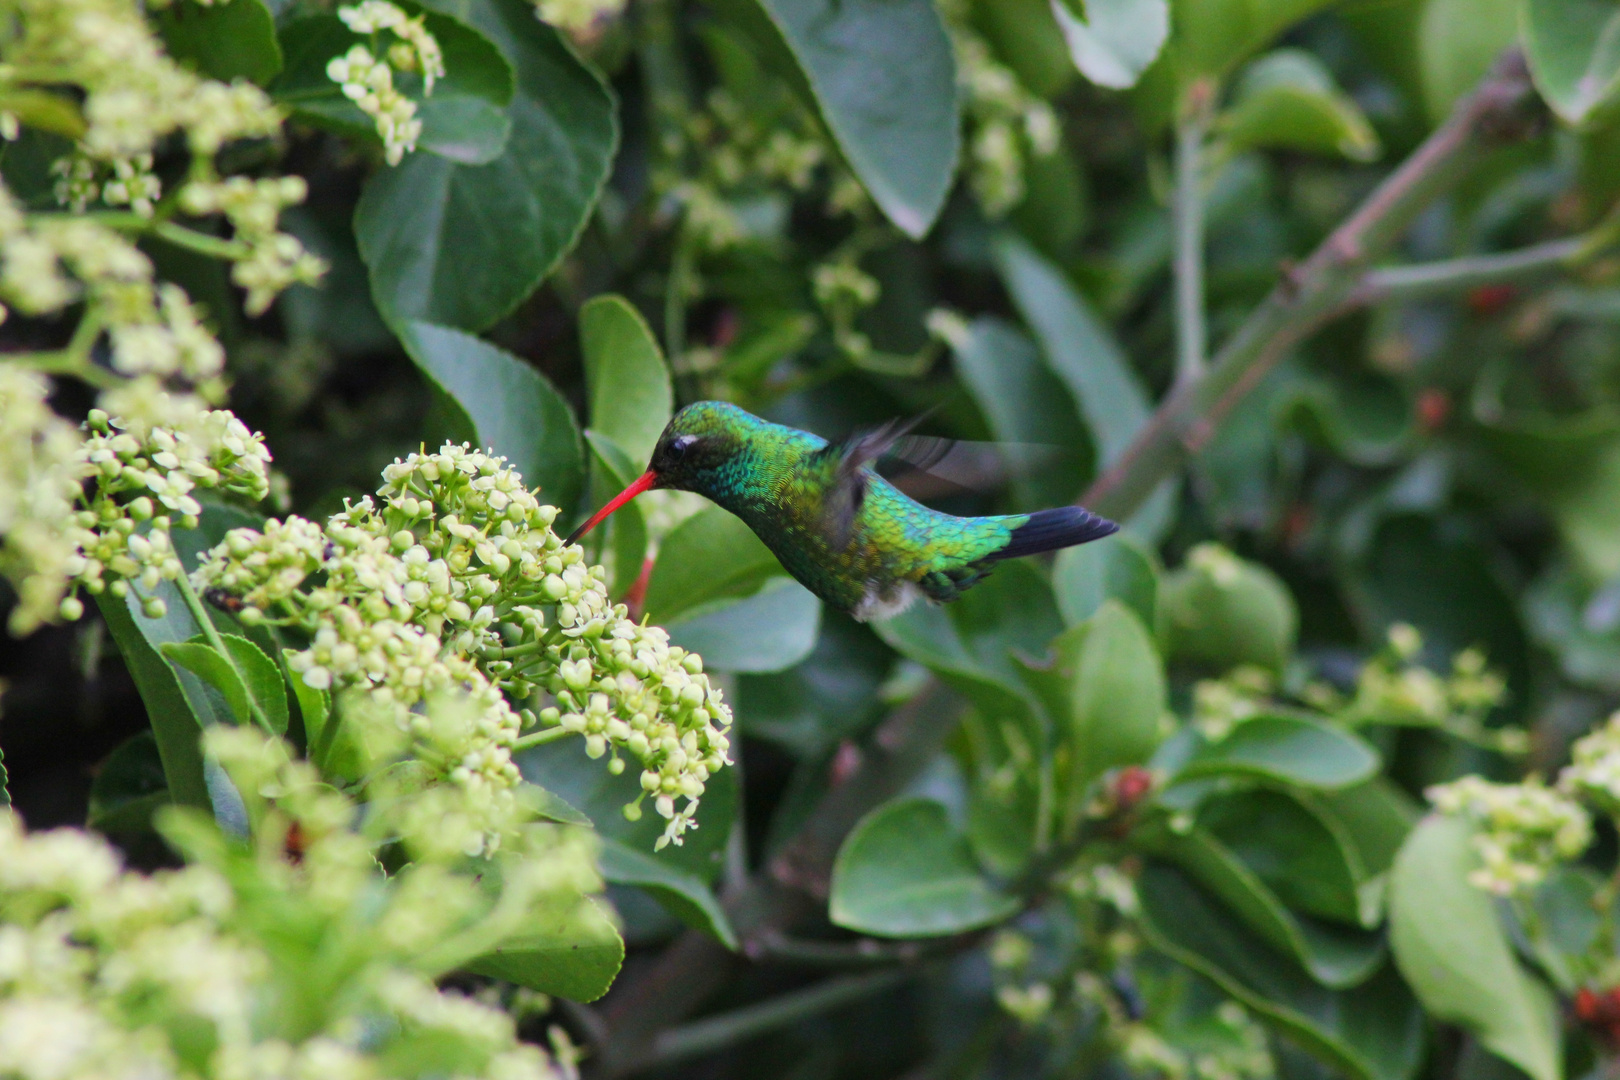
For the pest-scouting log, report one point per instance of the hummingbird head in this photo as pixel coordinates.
(695, 446)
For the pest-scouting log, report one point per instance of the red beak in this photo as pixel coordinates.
(642, 483)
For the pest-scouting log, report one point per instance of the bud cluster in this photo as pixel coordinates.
(1524, 829)
(368, 79)
(453, 577)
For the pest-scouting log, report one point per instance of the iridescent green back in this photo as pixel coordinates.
(777, 481)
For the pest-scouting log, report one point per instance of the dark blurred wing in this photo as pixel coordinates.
(926, 467)
(848, 484)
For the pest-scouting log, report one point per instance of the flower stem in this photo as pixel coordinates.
(540, 738)
(1191, 332)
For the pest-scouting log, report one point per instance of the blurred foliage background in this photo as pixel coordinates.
(1143, 810)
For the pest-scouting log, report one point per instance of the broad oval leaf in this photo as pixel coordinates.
(129, 786)
(1223, 611)
(1289, 750)
(905, 872)
(1332, 955)
(249, 680)
(510, 407)
(1117, 40)
(1287, 100)
(464, 119)
(1211, 37)
(630, 394)
(1371, 1032)
(1574, 51)
(769, 631)
(1118, 695)
(1298, 850)
(1084, 577)
(884, 77)
(574, 953)
(1456, 955)
(462, 245)
(710, 556)
(685, 896)
(223, 41)
(1458, 41)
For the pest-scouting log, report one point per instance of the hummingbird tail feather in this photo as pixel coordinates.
(1048, 530)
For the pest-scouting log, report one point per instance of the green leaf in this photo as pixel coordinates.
(1084, 577)
(1332, 955)
(769, 631)
(1457, 957)
(832, 695)
(1458, 41)
(1287, 100)
(1023, 403)
(710, 556)
(1118, 696)
(248, 678)
(315, 709)
(43, 111)
(684, 895)
(222, 41)
(574, 953)
(1026, 37)
(1373, 1032)
(463, 120)
(1081, 349)
(626, 530)
(1212, 37)
(625, 375)
(884, 79)
(511, 408)
(129, 786)
(905, 872)
(586, 785)
(1300, 852)
(177, 712)
(463, 245)
(1289, 750)
(1117, 40)
(1224, 611)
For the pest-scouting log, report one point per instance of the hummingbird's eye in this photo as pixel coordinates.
(678, 447)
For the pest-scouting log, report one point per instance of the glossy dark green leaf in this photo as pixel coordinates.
(1212, 37)
(1081, 349)
(1224, 611)
(1574, 51)
(250, 681)
(884, 77)
(1023, 402)
(1117, 695)
(1456, 955)
(462, 245)
(1371, 1032)
(1458, 41)
(626, 377)
(769, 631)
(464, 119)
(1287, 749)
(1026, 37)
(1302, 854)
(574, 954)
(1116, 40)
(562, 769)
(1287, 100)
(684, 895)
(129, 786)
(905, 872)
(222, 41)
(710, 556)
(1118, 568)
(172, 708)
(512, 408)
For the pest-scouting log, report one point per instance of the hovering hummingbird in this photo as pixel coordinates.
(846, 533)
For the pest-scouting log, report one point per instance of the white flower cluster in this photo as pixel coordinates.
(271, 260)
(1524, 829)
(1219, 705)
(1007, 121)
(1394, 689)
(81, 179)
(202, 972)
(578, 16)
(1594, 769)
(368, 80)
(454, 578)
(59, 534)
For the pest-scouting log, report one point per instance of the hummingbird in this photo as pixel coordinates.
(844, 531)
